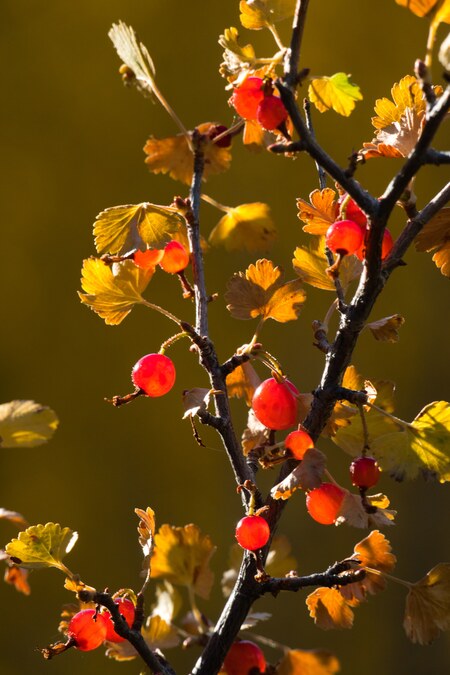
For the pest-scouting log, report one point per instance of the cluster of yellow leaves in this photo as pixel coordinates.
(41, 546)
(334, 93)
(236, 57)
(25, 424)
(435, 237)
(248, 226)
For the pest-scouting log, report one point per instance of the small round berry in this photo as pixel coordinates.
(88, 629)
(128, 611)
(344, 236)
(154, 374)
(218, 130)
(247, 96)
(271, 113)
(364, 472)
(324, 503)
(386, 244)
(252, 532)
(275, 404)
(298, 442)
(147, 259)
(352, 211)
(244, 657)
(175, 258)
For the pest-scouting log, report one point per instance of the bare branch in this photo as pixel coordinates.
(293, 54)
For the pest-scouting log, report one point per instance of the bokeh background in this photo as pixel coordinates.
(71, 139)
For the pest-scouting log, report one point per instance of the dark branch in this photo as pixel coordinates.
(293, 54)
(339, 574)
(309, 124)
(436, 157)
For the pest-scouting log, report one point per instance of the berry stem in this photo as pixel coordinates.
(276, 37)
(389, 577)
(163, 311)
(399, 421)
(213, 202)
(366, 445)
(171, 341)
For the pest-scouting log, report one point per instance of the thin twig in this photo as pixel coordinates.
(293, 54)
(309, 124)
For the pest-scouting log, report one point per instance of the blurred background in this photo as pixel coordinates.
(71, 139)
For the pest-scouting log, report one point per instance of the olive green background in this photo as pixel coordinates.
(71, 139)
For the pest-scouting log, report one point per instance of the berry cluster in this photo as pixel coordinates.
(88, 629)
(174, 258)
(254, 99)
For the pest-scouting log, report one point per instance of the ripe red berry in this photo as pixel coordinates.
(364, 472)
(271, 112)
(324, 503)
(127, 609)
(344, 236)
(218, 130)
(175, 257)
(352, 211)
(275, 404)
(298, 442)
(147, 259)
(252, 532)
(244, 657)
(386, 245)
(247, 96)
(87, 629)
(154, 373)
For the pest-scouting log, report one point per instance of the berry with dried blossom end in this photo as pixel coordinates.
(154, 374)
(344, 237)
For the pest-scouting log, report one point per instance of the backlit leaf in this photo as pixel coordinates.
(322, 211)
(168, 601)
(386, 330)
(121, 229)
(310, 263)
(112, 292)
(334, 93)
(427, 611)
(444, 53)
(352, 511)
(437, 10)
(329, 609)
(307, 475)
(242, 382)
(248, 226)
(194, 400)
(42, 546)
(257, 14)
(25, 424)
(435, 236)
(236, 57)
(146, 530)
(134, 54)
(308, 662)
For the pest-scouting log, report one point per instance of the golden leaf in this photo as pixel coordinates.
(242, 382)
(310, 263)
(427, 610)
(437, 10)
(173, 156)
(248, 226)
(42, 546)
(373, 551)
(308, 662)
(307, 475)
(112, 292)
(235, 56)
(25, 424)
(257, 14)
(329, 609)
(121, 229)
(322, 211)
(259, 292)
(435, 236)
(386, 330)
(334, 93)
(253, 135)
(146, 530)
(182, 556)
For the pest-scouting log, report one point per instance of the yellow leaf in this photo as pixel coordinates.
(112, 292)
(310, 263)
(435, 236)
(168, 601)
(25, 424)
(373, 551)
(437, 10)
(427, 610)
(42, 546)
(248, 226)
(322, 211)
(236, 57)
(121, 229)
(242, 382)
(334, 93)
(386, 330)
(308, 662)
(329, 609)
(182, 556)
(259, 292)
(307, 475)
(253, 134)
(257, 14)
(174, 156)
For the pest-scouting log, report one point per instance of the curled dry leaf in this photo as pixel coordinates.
(427, 611)
(352, 511)
(334, 93)
(386, 330)
(435, 236)
(194, 400)
(146, 531)
(320, 213)
(255, 435)
(242, 382)
(306, 476)
(308, 662)
(246, 227)
(26, 424)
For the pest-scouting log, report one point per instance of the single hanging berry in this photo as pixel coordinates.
(252, 532)
(344, 237)
(244, 657)
(275, 404)
(364, 472)
(88, 629)
(324, 503)
(298, 442)
(128, 611)
(247, 96)
(154, 374)
(175, 258)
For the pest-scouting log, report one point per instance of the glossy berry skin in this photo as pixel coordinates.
(298, 442)
(353, 212)
(147, 259)
(275, 404)
(252, 532)
(87, 632)
(128, 611)
(247, 97)
(154, 374)
(364, 472)
(271, 113)
(386, 245)
(344, 237)
(242, 657)
(324, 503)
(175, 258)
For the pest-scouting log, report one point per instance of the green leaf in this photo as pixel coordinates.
(25, 424)
(42, 546)
(334, 93)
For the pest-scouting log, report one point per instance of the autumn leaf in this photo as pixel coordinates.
(174, 156)
(18, 577)
(255, 435)
(146, 530)
(235, 56)
(308, 662)
(310, 264)
(386, 330)
(26, 424)
(437, 10)
(112, 292)
(427, 611)
(182, 556)
(168, 601)
(194, 400)
(260, 292)
(258, 14)
(246, 227)
(435, 236)
(42, 546)
(329, 609)
(253, 135)
(13, 517)
(242, 382)
(307, 475)
(322, 211)
(134, 54)
(121, 229)
(334, 93)
(352, 511)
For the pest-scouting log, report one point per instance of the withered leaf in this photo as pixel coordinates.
(435, 236)
(352, 511)
(386, 329)
(194, 400)
(307, 475)
(427, 611)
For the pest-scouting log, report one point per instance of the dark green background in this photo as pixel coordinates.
(72, 140)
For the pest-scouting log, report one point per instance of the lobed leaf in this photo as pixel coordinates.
(427, 611)
(307, 475)
(310, 264)
(248, 226)
(308, 662)
(236, 57)
(329, 609)
(334, 93)
(352, 511)
(386, 329)
(435, 236)
(26, 424)
(242, 382)
(258, 14)
(146, 530)
(42, 546)
(437, 10)
(320, 213)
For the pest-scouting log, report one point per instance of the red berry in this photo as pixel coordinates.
(344, 236)
(298, 442)
(247, 96)
(271, 112)
(252, 532)
(364, 472)
(353, 212)
(386, 245)
(244, 657)
(218, 130)
(147, 259)
(154, 373)
(127, 609)
(324, 503)
(175, 257)
(87, 632)
(275, 404)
